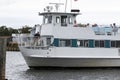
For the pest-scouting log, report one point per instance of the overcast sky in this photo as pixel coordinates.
(17, 13)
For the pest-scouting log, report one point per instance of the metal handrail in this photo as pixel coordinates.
(32, 42)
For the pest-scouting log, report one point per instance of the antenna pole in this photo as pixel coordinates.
(65, 5)
(71, 4)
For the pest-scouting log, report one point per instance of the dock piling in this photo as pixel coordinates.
(2, 57)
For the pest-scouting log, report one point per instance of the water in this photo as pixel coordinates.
(16, 69)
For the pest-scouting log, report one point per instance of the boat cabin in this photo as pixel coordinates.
(59, 19)
(56, 20)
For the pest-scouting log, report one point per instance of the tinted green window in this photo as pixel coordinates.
(107, 43)
(74, 43)
(91, 43)
(56, 42)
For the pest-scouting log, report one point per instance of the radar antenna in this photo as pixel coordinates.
(48, 8)
(57, 5)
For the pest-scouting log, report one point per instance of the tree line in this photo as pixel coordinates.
(8, 31)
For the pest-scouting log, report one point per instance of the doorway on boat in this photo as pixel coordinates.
(46, 41)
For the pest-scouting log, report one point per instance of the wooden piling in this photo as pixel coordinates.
(3, 42)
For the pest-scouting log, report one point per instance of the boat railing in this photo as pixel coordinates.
(33, 42)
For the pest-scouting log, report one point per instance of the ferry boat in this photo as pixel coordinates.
(62, 43)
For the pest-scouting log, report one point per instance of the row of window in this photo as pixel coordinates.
(87, 43)
(62, 19)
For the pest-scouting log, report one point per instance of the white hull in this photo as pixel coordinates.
(58, 57)
(72, 62)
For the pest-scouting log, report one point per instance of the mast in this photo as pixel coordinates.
(65, 5)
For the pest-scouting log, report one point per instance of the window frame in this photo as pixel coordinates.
(65, 43)
(64, 20)
(113, 43)
(70, 21)
(57, 19)
(97, 45)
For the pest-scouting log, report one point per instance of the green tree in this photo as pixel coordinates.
(4, 31)
(25, 29)
(11, 30)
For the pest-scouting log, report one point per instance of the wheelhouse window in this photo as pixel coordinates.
(47, 19)
(63, 20)
(57, 19)
(65, 43)
(70, 20)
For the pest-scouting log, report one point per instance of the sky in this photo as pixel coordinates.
(17, 13)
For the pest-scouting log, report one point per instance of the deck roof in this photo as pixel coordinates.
(59, 13)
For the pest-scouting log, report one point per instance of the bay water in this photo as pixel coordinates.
(17, 69)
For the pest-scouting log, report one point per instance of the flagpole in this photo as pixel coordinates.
(71, 3)
(65, 5)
